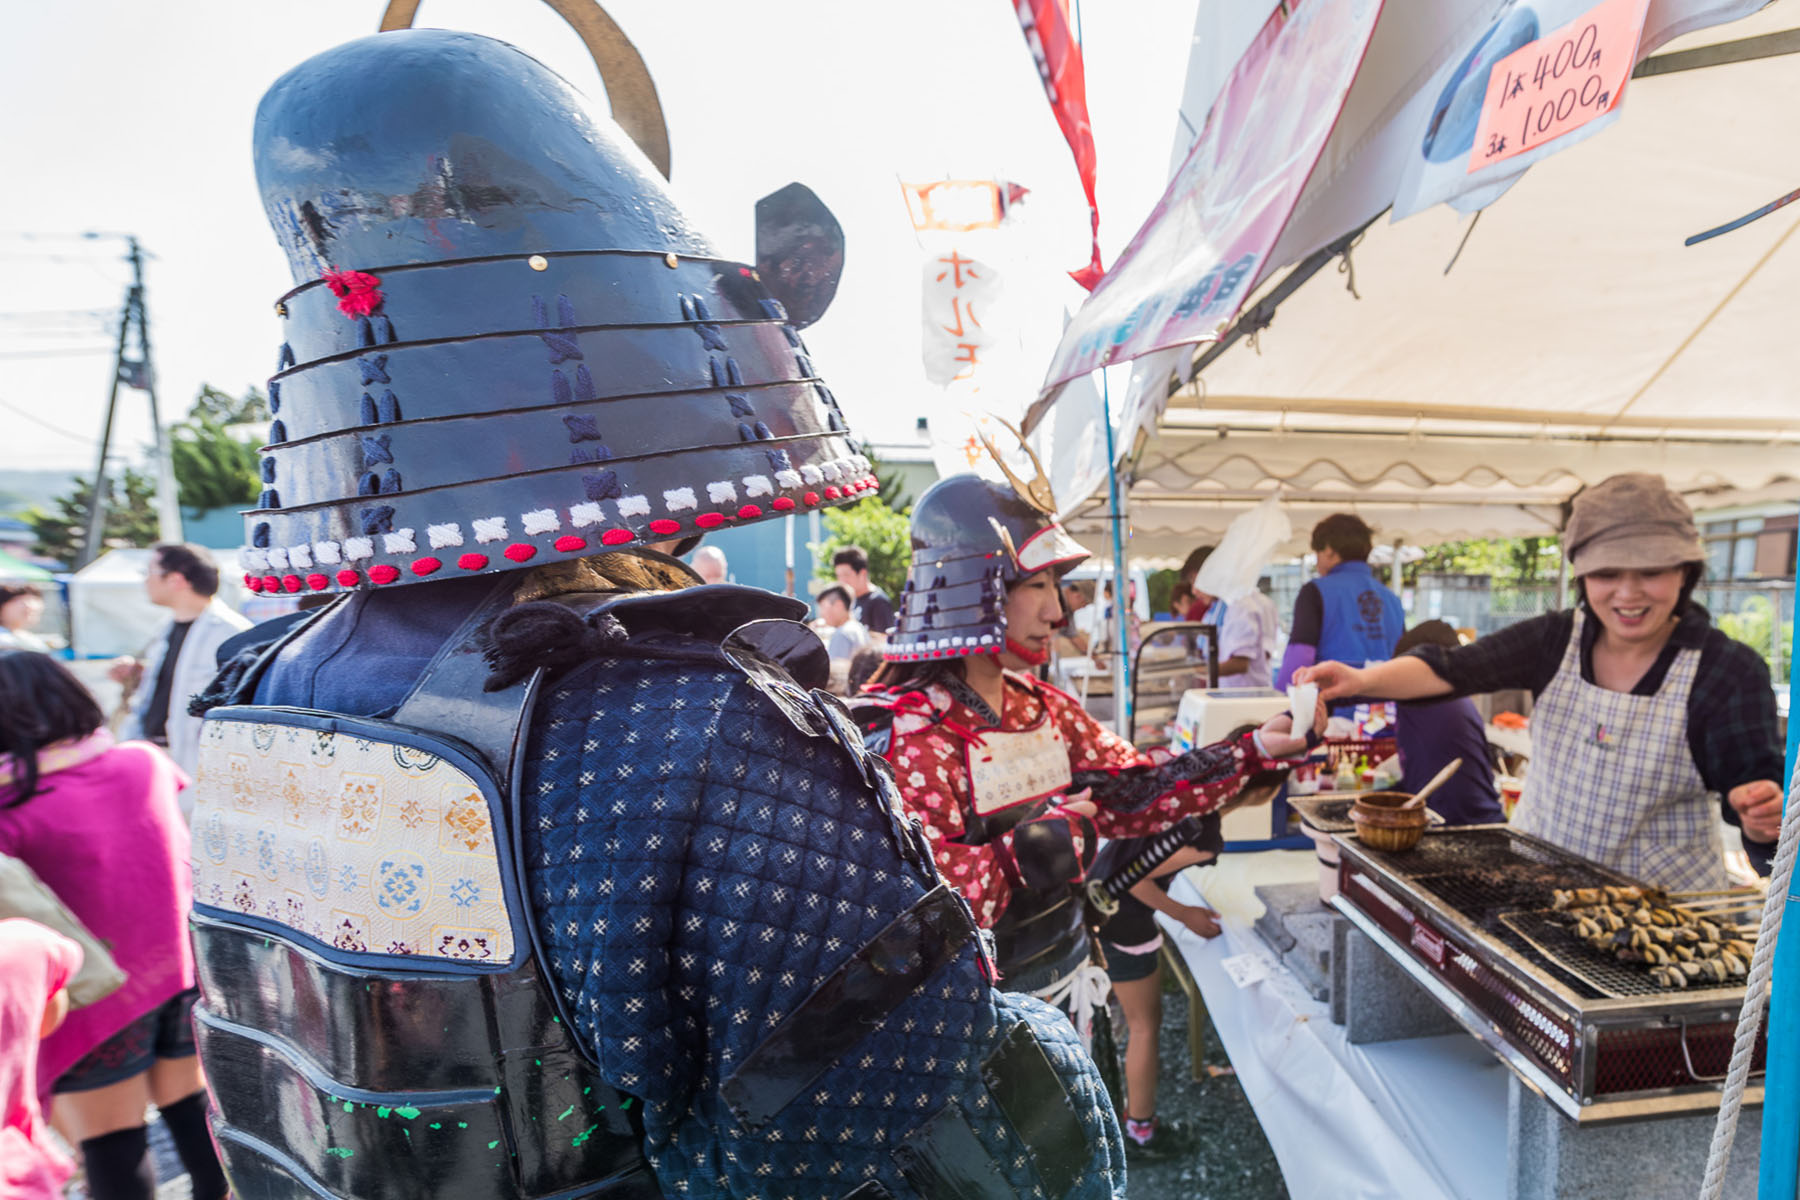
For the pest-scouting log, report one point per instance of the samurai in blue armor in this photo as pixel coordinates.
(529, 866)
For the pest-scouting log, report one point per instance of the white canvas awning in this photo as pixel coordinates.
(1574, 337)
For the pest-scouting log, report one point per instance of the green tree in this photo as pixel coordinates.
(216, 465)
(1752, 625)
(1508, 561)
(130, 519)
(879, 530)
(222, 408)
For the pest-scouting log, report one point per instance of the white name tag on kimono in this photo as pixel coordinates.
(1015, 768)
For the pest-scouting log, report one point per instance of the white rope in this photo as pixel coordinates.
(1756, 997)
(1080, 993)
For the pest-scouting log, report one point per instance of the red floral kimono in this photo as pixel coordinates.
(941, 748)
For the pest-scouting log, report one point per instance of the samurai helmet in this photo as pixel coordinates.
(505, 344)
(972, 540)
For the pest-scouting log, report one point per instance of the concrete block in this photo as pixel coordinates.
(1382, 1003)
(1297, 926)
(1310, 956)
(1341, 930)
(1550, 1157)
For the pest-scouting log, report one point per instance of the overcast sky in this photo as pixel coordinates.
(135, 118)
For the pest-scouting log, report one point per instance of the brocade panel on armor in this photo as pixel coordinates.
(362, 845)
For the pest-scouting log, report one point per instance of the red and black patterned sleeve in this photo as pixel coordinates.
(1143, 793)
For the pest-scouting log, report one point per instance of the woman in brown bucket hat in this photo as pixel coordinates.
(1646, 718)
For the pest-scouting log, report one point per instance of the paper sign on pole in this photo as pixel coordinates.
(980, 308)
(1558, 83)
(959, 290)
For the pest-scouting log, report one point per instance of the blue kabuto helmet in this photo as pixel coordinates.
(972, 540)
(506, 345)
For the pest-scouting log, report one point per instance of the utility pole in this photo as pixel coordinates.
(141, 374)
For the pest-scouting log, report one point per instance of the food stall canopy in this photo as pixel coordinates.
(1573, 304)
(1485, 369)
(1427, 486)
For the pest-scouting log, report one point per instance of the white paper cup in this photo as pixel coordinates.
(1303, 704)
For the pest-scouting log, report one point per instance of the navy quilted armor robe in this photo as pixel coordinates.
(716, 870)
(698, 867)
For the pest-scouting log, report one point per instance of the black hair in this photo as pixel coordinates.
(1427, 633)
(191, 563)
(1691, 574)
(1191, 566)
(836, 589)
(1346, 535)
(12, 591)
(854, 557)
(916, 676)
(863, 666)
(41, 703)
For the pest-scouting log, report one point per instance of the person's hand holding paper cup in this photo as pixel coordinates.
(1277, 733)
(1303, 699)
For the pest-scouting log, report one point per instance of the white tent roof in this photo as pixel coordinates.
(1575, 337)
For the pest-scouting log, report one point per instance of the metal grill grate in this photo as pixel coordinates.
(1557, 945)
(1481, 873)
(1500, 883)
(1527, 1024)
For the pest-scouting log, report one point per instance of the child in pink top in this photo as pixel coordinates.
(35, 965)
(99, 824)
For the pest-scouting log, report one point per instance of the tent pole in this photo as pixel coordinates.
(1777, 1174)
(1562, 582)
(1121, 580)
(1395, 572)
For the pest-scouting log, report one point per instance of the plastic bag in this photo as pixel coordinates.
(23, 894)
(1245, 550)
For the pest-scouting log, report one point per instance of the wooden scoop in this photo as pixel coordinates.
(1437, 781)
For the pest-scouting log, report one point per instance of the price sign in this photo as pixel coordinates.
(1558, 83)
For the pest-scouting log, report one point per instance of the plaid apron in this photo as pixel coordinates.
(1612, 778)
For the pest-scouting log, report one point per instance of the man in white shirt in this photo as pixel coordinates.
(844, 635)
(183, 658)
(1247, 641)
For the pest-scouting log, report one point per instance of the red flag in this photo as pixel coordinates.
(1058, 56)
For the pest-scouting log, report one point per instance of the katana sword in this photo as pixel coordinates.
(1103, 894)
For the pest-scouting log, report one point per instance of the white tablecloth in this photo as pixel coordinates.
(1421, 1118)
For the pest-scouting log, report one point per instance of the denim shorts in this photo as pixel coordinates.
(1125, 967)
(163, 1032)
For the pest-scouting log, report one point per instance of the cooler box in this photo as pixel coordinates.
(1208, 715)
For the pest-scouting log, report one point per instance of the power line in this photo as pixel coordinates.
(72, 352)
(37, 420)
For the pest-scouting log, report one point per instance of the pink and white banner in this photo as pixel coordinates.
(1206, 244)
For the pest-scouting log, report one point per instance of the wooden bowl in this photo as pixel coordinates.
(1382, 824)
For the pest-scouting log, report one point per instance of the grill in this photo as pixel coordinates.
(1464, 913)
(1556, 944)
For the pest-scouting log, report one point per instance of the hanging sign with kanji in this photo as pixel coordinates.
(962, 325)
(1558, 83)
(959, 291)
